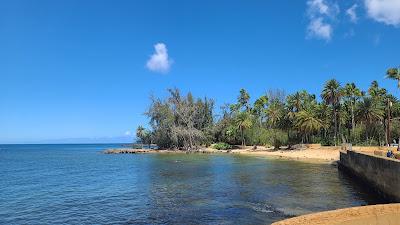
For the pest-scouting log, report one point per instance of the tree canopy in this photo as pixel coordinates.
(343, 114)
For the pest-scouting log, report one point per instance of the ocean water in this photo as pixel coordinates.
(77, 184)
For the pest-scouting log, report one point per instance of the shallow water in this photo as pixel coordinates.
(76, 184)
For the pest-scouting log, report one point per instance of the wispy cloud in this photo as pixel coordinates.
(318, 29)
(321, 13)
(349, 33)
(159, 61)
(351, 12)
(128, 133)
(376, 39)
(322, 8)
(385, 11)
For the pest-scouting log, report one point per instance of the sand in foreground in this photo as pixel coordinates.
(373, 214)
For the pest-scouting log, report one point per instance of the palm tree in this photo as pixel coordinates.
(141, 134)
(369, 111)
(376, 92)
(308, 122)
(394, 74)
(274, 113)
(260, 107)
(352, 93)
(295, 101)
(331, 95)
(243, 99)
(325, 115)
(243, 122)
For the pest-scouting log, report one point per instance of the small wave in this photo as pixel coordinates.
(264, 208)
(293, 211)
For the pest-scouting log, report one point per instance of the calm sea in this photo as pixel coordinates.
(76, 184)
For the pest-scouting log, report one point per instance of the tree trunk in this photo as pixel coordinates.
(352, 120)
(385, 127)
(241, 131)
(190, 141)
(335, 121)
(339, 131)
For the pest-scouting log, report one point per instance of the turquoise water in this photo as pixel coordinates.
(76, 184)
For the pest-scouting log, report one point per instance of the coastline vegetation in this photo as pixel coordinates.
(343, 114)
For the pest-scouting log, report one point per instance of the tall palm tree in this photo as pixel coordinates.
(352, 93)
(295, 101)
(260, 107)
(376, 92)
(369, 111)
(331, 95)
(394, 74)
(243, 99)
(243, 121)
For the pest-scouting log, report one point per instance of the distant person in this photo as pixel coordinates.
(389, 154)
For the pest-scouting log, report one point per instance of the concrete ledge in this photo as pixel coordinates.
(374, 214)
(379, 172)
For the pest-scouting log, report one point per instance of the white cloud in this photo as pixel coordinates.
(128, 133)
(159, 61)
(385, 11)
(321, 13)
(317, 6)
(351, 12)
(318, 29)
(322, 8)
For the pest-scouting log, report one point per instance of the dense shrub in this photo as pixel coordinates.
(327, 142)
(276, 138)
(222, 146)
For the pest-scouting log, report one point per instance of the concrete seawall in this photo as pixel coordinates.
(382, 173)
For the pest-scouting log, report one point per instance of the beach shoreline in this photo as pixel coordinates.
(313, 154)
(309, 153)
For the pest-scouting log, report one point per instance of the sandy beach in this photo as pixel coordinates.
(321, 154)
(373, 214)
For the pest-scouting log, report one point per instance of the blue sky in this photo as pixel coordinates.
(85, 69)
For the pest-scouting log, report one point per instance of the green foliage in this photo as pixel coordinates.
(394, 74)
(342, 114)
(181, 121)
(243, 99)
(276, 138)
(222, 146)
(326, 141)
(144, 135)
(308, 122)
